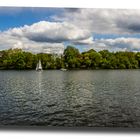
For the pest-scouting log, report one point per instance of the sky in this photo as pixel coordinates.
(50, 30)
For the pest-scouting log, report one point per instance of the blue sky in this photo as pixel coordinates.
(51, 29)
(16, 17)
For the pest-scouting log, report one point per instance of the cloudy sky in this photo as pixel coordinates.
(50, 30)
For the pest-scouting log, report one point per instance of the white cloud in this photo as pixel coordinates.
(44, 36)
(117, 44)
(45, 31)
(106, 21)
(87, 41)
(77, 26)
(8, 41)
(114, 21)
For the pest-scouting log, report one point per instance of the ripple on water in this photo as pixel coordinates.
(73, 98)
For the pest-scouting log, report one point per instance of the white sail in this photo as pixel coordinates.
(39, 66)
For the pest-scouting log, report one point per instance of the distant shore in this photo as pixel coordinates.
(71, 59)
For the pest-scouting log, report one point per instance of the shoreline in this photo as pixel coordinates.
(64, 71)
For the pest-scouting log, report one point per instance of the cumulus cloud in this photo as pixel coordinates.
(117, 44)
(106, 21)
(112, 21)
(45, 36)
(9, 41)
(45, 31)
(77, 26)
(87, 41)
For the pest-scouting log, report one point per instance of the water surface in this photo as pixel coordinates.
(98, 98)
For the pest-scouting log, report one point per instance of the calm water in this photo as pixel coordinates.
(98, 98)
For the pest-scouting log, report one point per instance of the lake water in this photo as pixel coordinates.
(98, 98)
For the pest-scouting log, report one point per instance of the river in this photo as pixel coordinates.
(77, 98)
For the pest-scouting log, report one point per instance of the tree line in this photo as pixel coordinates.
(70, 59)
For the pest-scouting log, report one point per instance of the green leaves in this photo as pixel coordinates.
(71, 59)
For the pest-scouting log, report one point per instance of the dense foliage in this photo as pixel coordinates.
(71, 59)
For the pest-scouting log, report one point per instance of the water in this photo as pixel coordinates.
(97, 98)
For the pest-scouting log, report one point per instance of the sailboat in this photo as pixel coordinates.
(39, 66)
(62, 69)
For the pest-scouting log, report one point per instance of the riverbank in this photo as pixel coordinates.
(70, 59)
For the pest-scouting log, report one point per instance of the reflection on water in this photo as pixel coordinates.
(39, 75)
(99, 98)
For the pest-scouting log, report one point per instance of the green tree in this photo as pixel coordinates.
(71, 57)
